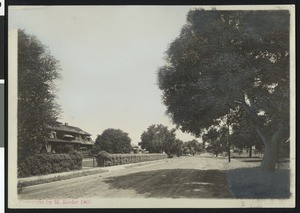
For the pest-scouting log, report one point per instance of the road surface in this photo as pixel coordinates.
(184, 177)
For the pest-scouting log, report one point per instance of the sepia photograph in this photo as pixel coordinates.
(151, 106)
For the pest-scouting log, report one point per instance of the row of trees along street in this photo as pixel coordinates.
(235, 64)
(156, 139)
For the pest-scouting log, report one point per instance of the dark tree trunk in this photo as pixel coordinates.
(270, 150)
(271, 143)
(229, 157)
(270, 155)
(250, 152)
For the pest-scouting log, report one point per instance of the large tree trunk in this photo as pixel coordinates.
(270, 151)
(270, 143)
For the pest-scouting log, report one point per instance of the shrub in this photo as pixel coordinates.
(42, 164)
(170, 155)
(105, 159)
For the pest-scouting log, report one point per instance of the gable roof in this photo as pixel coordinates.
(67, 128)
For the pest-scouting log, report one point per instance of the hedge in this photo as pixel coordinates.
(105, 159)
(42, 164)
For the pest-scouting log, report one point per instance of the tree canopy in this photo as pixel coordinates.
(158, 138)
(194, 146)
(37, 109)
(217, 140)
(243, 132)
(230, 60)
(113, 141)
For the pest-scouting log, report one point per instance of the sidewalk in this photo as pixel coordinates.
(35, 180)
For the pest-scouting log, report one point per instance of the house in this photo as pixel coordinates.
(63, 135)
(138, 150)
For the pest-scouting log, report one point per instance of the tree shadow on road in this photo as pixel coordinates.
(248, 159)
(256, 183)
(248, 183)
(175, 183)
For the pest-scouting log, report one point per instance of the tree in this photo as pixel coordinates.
(194, 146)
(170, 144)
(158, 138)
(113, 141)
(216, 148)
(243, 132)
(37, 109)
(217, 142)
(185, 150)
(225, 60)
(178, 147)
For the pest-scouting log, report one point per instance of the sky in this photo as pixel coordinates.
(109, 58)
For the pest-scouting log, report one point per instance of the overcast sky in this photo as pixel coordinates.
(109, 58)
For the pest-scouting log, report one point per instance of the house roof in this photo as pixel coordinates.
(67, 128)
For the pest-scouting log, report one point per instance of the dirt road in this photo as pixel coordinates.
(184, 177)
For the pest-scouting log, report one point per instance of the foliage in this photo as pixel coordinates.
(225, 60)
(194, 147)
(113, 141)
(185, 150)
(158, 139)
(243, 131)
(37, 71)
(103, 155)
(42, 164)
(152, 139)
(76, 155)
(216, 148)
(217, 142)
(106, 159)
(177, 147)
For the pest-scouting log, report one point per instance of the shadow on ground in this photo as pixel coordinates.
(255, 183)
(248, 159)
(191, 183)
(175, 183)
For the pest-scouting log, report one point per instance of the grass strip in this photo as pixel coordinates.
(21, 185)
